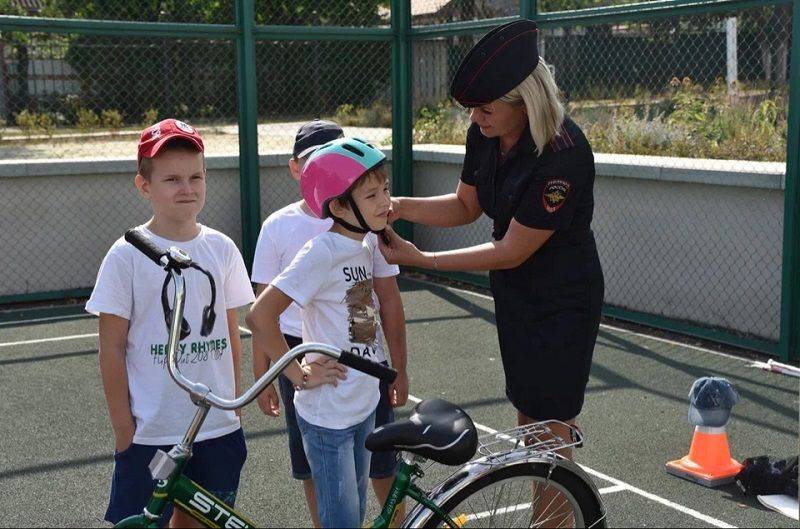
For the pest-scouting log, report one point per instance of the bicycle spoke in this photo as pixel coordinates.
(497, 503)
(522, 488)
(539, 523)
(503, 504)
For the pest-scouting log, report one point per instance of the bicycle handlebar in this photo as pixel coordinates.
(142, 242)
(200, 393)
(379, 371)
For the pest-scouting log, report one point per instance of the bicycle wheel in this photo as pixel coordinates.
(524, 495)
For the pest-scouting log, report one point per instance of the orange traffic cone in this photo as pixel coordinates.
(709, 461)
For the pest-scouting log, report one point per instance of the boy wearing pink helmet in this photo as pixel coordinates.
(331, 280)
(282, 236)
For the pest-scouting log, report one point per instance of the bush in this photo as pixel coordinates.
(207, 111)
(111, 119)
(443, 123)
(687, 120)
(31, 122)
(87, 119)
(150, 117)
(46, 123)
(26, 121)
(376, 115)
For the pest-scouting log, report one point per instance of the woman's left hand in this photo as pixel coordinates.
(397, 250)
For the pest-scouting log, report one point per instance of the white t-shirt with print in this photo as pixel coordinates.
(129, 286)
(331, 280)
(282, 235)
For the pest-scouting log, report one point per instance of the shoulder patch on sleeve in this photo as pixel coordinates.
(555, 194)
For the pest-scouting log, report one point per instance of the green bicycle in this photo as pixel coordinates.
(517, 480)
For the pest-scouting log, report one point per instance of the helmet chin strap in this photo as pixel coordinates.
(364, 228)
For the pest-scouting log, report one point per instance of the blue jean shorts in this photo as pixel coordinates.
(339, 463)
(382, 464)
(132, 485)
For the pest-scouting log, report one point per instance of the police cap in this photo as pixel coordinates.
(497, 64)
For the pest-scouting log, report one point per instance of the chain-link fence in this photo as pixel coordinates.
(688, 117)
(76, 96)
(687, 111)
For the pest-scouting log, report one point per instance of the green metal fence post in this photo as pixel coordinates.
(790, 279)
(402, 140)
(529, 9)
(249, 184)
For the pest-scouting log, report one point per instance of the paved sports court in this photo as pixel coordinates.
(56, 457)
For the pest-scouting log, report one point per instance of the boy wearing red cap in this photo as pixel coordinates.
(147, 410)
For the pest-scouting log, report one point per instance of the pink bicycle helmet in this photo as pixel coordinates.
(332, 170)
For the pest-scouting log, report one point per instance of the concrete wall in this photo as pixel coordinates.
(690, 239)
(696, 240)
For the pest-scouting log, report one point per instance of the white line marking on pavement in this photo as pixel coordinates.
(13, 323)
(523, 506)
(612, 489)
(46, 340)
(603, 325)
(619, 483)
(77, 337)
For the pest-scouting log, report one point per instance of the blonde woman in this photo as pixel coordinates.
(530, 169)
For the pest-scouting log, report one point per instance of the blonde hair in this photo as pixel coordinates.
(539, 94)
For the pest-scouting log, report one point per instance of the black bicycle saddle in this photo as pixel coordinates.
(436, 430)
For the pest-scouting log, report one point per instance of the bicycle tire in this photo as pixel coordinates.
(591, 510)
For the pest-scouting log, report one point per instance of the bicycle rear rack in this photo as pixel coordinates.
(537, 438)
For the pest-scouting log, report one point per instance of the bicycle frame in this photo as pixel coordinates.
(402, 488)
(181, 491)
(191, 498)
(172, 486)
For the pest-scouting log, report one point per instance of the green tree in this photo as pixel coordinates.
(180, 77)
(18, 42)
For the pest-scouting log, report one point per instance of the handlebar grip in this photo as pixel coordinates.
(386, 374)
(143, 243)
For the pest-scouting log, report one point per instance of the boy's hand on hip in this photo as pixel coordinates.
(324, 371)
(269, 402)
(398, 391)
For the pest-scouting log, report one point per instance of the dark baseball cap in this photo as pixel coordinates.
(154, 137)
(711, 400)
(313, 134)
(497, 64)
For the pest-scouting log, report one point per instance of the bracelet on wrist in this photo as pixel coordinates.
(304, 383)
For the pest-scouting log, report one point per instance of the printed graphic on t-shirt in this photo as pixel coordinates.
(191, 353)
(363, 326)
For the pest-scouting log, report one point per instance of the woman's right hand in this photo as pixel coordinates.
(324, 371)
(394, 210)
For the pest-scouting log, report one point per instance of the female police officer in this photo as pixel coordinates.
(531, 170)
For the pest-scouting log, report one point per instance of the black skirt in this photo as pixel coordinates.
(547, 328)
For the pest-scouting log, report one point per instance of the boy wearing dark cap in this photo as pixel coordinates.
(282, 235)
(147, 410)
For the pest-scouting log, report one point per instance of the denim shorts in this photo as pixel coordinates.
(132, 484)
(382, 464)
(339, 465)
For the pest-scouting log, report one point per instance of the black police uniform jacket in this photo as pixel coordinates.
(548, 308)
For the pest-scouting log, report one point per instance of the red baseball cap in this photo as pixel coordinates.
(154, 137)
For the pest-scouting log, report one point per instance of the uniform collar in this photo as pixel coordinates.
(524, 145)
